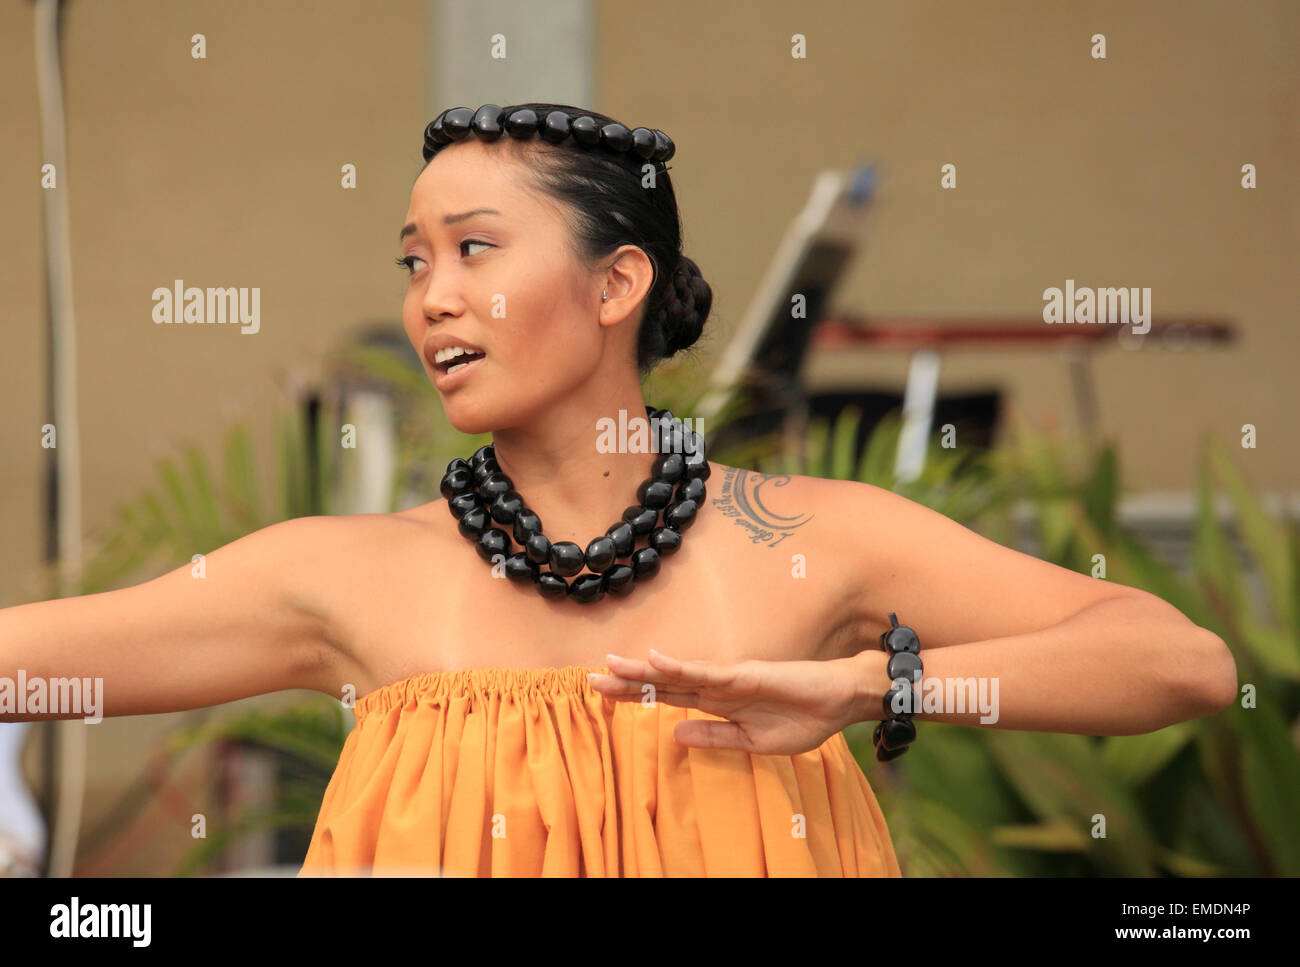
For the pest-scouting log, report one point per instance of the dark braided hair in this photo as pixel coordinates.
(608, 207)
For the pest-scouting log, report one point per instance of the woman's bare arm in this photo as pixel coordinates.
(245, 620)
(1068, 652)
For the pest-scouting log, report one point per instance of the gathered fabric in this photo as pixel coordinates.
(532, 772)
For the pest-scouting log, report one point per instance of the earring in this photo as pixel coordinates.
(603, 296)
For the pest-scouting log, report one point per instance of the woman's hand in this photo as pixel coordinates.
(774, 707)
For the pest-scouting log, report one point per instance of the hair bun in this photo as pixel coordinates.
(686, 307)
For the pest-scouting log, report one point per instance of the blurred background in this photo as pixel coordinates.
(879, 194)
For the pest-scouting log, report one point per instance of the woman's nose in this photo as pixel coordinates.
(442, 296)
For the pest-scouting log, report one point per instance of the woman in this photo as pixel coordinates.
(543, 249)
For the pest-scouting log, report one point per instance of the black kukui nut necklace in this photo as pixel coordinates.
(478, 492)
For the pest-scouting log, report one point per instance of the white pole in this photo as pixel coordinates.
(71, 733)
(918, 414)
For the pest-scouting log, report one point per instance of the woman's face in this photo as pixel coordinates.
(504, 284)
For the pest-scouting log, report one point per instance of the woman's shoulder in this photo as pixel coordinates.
(795, 512)
(345, 543)
(785, 500)
(363, 529)
(860, 522)
(823, 487)
(431, 519)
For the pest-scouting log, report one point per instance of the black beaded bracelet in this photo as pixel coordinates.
(896, 732)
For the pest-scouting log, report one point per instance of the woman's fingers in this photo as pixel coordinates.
(679, 699)
(677, 683)
(705, 734)
(664, 670)
(616, 686)
(634, 668)
(698, 673)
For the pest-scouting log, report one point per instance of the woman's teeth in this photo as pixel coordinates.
(445, 356)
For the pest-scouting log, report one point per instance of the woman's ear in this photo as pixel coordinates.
(626, 284)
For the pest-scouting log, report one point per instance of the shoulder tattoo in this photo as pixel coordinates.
(743, 497)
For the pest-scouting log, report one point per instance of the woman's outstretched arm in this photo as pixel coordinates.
(245, 620)
(1122, 666)
(1066, 652)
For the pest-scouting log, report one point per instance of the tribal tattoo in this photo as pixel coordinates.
(742, 500)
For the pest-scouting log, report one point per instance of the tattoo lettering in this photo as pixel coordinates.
(742, 501)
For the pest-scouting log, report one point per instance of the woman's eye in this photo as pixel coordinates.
(410, 269)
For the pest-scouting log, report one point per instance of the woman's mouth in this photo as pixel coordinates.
(452, 361)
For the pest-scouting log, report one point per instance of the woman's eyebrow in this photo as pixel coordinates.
(410, 228)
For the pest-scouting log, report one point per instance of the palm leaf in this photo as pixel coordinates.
(1134, 759)
(1268, 546)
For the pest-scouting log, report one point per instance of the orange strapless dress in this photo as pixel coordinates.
(531, 772)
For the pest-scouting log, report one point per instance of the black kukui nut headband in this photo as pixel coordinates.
(896, 732)
(489, 122)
